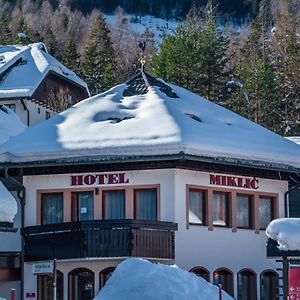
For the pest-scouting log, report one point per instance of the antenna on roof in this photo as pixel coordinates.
(142, 46)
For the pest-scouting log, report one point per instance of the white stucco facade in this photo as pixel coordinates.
(194, 245)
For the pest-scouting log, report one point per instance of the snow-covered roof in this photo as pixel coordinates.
(295, 139)
(22, 69)
(10, 124)
(286, 231)
(137, 279)
(127, 121)
(8, 205)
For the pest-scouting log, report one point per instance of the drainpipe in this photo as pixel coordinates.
(22, 196)
(28, 113)
(286, 200)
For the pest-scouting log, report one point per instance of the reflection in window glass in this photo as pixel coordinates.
(81, 285)
(244, 211)
(197, 207)
(201, 272)
(52, 208)
(45, 286)
(265, 211)
(246, 285)
(221, 209)
(225, 278)
(82, 206)
(269, 283)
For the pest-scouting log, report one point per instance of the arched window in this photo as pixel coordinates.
(268, 285)
(104, 276)
(81, 284)
(201, 272)
(225, 277)
(247, 285)
(45, 286)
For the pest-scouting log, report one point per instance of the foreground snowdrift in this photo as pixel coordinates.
(137, 279)
(286, 231)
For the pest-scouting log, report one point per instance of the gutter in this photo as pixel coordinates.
(28, 113)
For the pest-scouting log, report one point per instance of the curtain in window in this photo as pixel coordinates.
(220, 209)
(146, 204)
(269, 283)
(247, 286)
(243, 211)
(196, 212)
(114, 204)
(265, 212)
(85, 206)
(52, 208)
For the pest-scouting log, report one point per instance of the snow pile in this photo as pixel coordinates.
(295, 139)
(152, 124)
(10, 124)
(8, 205)
(286, 231)
(138, 279)
(22, 68)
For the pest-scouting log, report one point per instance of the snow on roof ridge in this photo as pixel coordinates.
(37, 63)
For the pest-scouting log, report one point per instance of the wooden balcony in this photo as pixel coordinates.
(100, 238)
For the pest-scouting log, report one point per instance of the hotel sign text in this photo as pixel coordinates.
(98, 179)
(233, 181)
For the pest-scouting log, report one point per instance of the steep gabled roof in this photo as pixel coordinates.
(117, 125)
(22, 69)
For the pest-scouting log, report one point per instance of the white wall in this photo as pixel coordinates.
(37, 113)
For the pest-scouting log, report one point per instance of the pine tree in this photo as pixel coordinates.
(98, 65)
(71, 56)
(195, 58)
(5, 33)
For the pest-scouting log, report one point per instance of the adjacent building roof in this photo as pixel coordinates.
(10, 124)
(8, 205)
(145, 118)
(22, 69)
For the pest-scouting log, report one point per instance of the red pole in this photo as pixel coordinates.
(13, 294)
(220, 291)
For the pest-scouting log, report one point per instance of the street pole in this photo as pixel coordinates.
(54, 279)
(220, 291)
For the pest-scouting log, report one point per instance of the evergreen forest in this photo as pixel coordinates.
(244, 55)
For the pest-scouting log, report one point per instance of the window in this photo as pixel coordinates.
(52, 208)
(45, 286)
(246, 285)
(11, 106)
(47, 115)
(266, 211)
(114, 204)
(197, 207)
(225, 278)
(269, 285)
(82, 206)
(105, 275)
(201, 272)
(145, 204)
(81, 284)
(244, 211)
(221, 209)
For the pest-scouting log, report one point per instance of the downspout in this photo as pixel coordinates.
(286, 200)
(28, 113)
(22, 196)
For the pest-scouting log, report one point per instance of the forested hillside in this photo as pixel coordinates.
(253, 68)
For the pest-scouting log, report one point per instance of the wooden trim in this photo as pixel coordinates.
(67, 206)
(232, 205)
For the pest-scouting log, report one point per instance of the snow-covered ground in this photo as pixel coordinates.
(137, 279)
(286, 231)
(139, 24)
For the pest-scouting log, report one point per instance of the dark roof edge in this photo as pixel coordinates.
(254, 164)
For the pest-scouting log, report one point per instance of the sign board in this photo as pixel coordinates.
(234, 181)
(43, 268)
(294, 283)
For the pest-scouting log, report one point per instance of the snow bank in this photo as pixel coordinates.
(286, 231)
(295, 139)
(117, 126)
(138, 279)
(10, 124)
(8, 205)
(26, 66)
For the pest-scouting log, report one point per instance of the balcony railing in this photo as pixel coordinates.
(100, 238)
